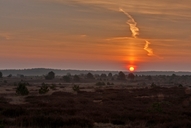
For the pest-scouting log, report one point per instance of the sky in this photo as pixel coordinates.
(151, 35)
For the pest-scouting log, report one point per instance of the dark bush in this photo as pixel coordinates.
(43, 89)
(22, 89)
(76, 88)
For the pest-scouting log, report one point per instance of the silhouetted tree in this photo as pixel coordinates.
(67, 78)
(76, 78)
(103, 76)
(50, 75)
(89, 76)
(121, 76)
(110, 75)
(131, 76)
(1, 74)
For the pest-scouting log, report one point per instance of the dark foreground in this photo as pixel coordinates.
(155, 107)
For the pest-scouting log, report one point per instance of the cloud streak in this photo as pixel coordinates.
(135, 31)
(131, 22)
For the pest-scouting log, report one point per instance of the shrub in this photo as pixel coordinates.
(44, 89)
(76, 88)
(53, 87)
(22, 89)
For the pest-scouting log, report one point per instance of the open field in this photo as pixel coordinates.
(126, 104)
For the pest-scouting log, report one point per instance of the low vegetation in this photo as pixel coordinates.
(76, 88)
(43, 89)
(22, 89)
(129, 108)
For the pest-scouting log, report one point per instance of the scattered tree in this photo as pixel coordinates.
(89, 76)
(67, 78)
(110, 75)
(131, 76)
(104, 76)
(50, 76)
(1, 74)
(121, 76)
(76, 78)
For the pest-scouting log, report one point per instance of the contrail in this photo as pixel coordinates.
(135, 31)
(131, 22)
(146, 48)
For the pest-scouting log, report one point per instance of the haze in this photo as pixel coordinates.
(83, 34)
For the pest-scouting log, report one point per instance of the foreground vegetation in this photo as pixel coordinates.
(145, 107)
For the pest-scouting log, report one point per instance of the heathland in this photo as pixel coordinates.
(95, 100)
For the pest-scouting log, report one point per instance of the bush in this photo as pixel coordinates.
(22, 89)
(44, 89)
(53, 87)
(76, 88)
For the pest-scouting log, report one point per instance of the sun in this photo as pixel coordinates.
(131, 68)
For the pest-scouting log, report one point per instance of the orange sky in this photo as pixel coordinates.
(97, 35)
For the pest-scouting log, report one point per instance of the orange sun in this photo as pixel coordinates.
(131, 69)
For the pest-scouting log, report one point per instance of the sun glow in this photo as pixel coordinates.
(131, 69)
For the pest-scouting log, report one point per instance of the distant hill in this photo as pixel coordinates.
(59, 72)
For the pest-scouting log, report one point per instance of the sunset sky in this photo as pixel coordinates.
(151, 35)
